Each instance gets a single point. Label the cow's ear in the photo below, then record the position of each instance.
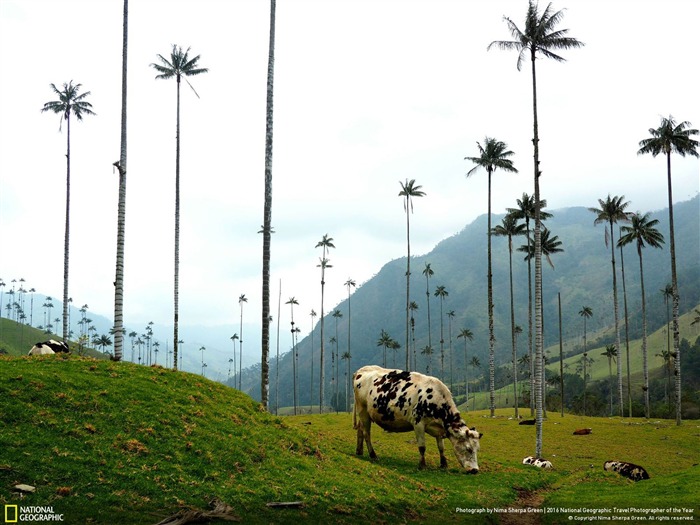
(481, 435)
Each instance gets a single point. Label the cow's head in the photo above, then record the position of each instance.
(465, 442)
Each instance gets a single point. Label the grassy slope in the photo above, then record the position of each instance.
(108, 442)
(17, 339)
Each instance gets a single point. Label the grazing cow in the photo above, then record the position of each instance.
(583, 431)
(537, 462)
(403, 401)
(49, 347)
(629, 470)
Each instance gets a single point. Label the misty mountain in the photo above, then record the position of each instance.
(582, 274)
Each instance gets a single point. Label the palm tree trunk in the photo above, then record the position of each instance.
(267, 218)
(408, 275)
(617, 323)
(512, 327)
(644, 336)
(176, 292)
(676, 299)
(531, 364)
(627, 332)
(66, 238)
(539, 342)
(492, 338)
(121, 210)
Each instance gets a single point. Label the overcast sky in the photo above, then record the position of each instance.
(367, 93)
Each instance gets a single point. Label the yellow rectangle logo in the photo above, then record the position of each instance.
(11, 513)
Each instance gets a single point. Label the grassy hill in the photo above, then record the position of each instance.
(118, 443)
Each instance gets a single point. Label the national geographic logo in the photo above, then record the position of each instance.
(17, 514)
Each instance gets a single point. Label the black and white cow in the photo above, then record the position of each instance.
(49, 347)
(403, 401)
(629, 470)
(537, 462)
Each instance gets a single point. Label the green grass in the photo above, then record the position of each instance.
(118, 443)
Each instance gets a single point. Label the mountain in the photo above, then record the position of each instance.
(582, 274)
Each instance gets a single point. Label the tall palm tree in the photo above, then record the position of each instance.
(466, 334)
(413, 307)
(441, 292)
(611, 354)
(350, 283)
(121, 208)
(493, 154)
(267, 215)
(292, 301)
(70, 101)
(612, 210)
(179, 65)
(313, 315)
(583, 367)
(241, 299)
(672, 137)
(385, 342)
(450, 315)
(586, 312)
(325, 244)
(346, 357)
(510, 228)
(409, 189)
(526, 211)
(337, 315)
(642, 231)
(234, 338)
(539, 37)
(428, 272)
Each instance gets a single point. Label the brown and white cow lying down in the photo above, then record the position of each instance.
(629, 470)
(49, 347)
(403, 401)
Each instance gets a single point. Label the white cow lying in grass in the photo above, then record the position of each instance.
(49, 347)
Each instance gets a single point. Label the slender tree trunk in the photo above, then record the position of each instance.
(530, 353)
(66, 238)
(240, 349)
(617, 324)
(644, 336)
(121, 210)
(427, 296)
(539, 341)
(408, 276)
(176, 292)
(627, 332)
(512, 327)
(561, 359)
(267, 219)
(492, 338)
(442, 342)
(322, 371)
(466, 376)
(676, 297)
(277, 362)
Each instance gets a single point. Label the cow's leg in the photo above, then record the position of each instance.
(363, 434)
(368, 439)
(420, 440)
(360, 441)
(441, 448)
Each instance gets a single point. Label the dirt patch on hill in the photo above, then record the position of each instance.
(525, 509)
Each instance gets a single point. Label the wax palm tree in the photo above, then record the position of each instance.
(409, 190)
(538, 37)
(493, 154)
(672, 137)
(586, 312)
(441, 292)
(179, 65)
(292, 301)
(450, 315)
(428, 352)
(612, 210)
(510, 228)
(325, 244)
(337, 315)
(428, 272)
(611, 354)
(121, 208)
(668, 357)
(385, 342)
(234, 338)
(241, 299)
(350, 283)
(313, 315)
(413, 307)
(466, 334)
(70, 101)
(267, 215)
(346, 357)
(526, 211)
(642, 231)
(583, 367)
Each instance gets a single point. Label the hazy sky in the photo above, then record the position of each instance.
(367, 93)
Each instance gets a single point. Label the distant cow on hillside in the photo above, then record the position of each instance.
(403, 401)
(583, 431)
(629, 470)
(49, 347)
